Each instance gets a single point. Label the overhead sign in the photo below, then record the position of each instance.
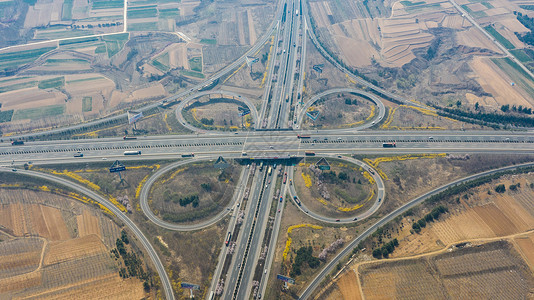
(134, 116)
(221, 163)
(117, 166)
(185, 285)
(285, 279)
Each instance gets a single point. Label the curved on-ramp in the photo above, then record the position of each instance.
(166, 284)
(143, 200)
(381, 193)
(193, 97)
(380, 107)
(328, 268)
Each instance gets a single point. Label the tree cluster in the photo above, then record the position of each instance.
(183, 201)
(519, 109)
(430, 217)
(386, 249)
(207, 121)
(500, 188)
(527, 38)
(486, 119)
(133, 264)
(304, 255)
(331, 249)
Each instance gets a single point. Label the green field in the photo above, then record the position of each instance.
(169, 13)
(52, 83)
(18, 86)
(487, 4)
(409, 3)
(192, 74)
(15, 59)
(105, 4)
(101, 49)
(521, 55)
(195, 64)
(147, 26)
(87, 104)
(208, 41)
(501, 39)
(40, 112)
(527, 7)
(6, 116)
(142, 12)
(78, 41)
(84, 79)
(66, 13)
(59, 61)
(516, 73)
(162, 62)
(61, 34)
(115, 43)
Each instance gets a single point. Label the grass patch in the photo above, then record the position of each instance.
(169, 13)
(527, 7)
(479, 14)
(421, 7)
(58, 61)
(141, 13)
(161, 62)
(101, 49)
(192, 74)
(195, 64)
(66, 13)
(105, 4)
(61, 34)
(487, 4)
(84, 79)
(87, 104)
(208, 41)
(409, 3)
(18, 86)
(78, 41)
(143, 26)
(116, 37)
(501, 39)
(52, 83)
(521, 55)
(39, 112)
(14, 59)
(5, 116)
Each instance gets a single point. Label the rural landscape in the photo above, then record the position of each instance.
(253, 149)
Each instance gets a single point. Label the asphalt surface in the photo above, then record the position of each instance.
(165, 282)
(328, 268)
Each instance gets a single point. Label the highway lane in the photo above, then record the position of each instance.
(165, 282)
(273, 144)
(143, 198)
(328, 268)
(380, 196)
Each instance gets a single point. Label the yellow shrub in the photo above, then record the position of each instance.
(307, 180)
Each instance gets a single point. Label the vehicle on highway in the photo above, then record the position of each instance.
(371, 171)
(430, 137)
(78, 154)
(309, 153)
(14, 170)
(269, 172)
(243, 153)
(129, 138)
(337, 220)
(296, 200)
(16, 143)
(281, 198)
(188, 155)
(355, 219)
(379, 199)
(132, 152)
(339, 139)
(228, 237)
(303, 136)
(389, 145)
(339, 156)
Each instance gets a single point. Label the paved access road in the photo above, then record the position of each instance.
(328, 268)
(165, 282)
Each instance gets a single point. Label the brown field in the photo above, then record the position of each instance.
(335, 113)
(489, 270)
(525, 245)
(220, 113)
(64, 256)
(496, 82)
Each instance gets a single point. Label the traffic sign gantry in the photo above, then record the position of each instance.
(117, 166)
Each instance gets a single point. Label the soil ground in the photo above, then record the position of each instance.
(334, 112)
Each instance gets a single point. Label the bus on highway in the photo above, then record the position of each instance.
(389, 145)
(309, 153)
(303, 136)
(269, 171)
(136, 152)
(228, 237)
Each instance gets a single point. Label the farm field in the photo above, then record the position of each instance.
(56, 247)
(482, 248)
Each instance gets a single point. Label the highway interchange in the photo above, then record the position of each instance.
(281, 110)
